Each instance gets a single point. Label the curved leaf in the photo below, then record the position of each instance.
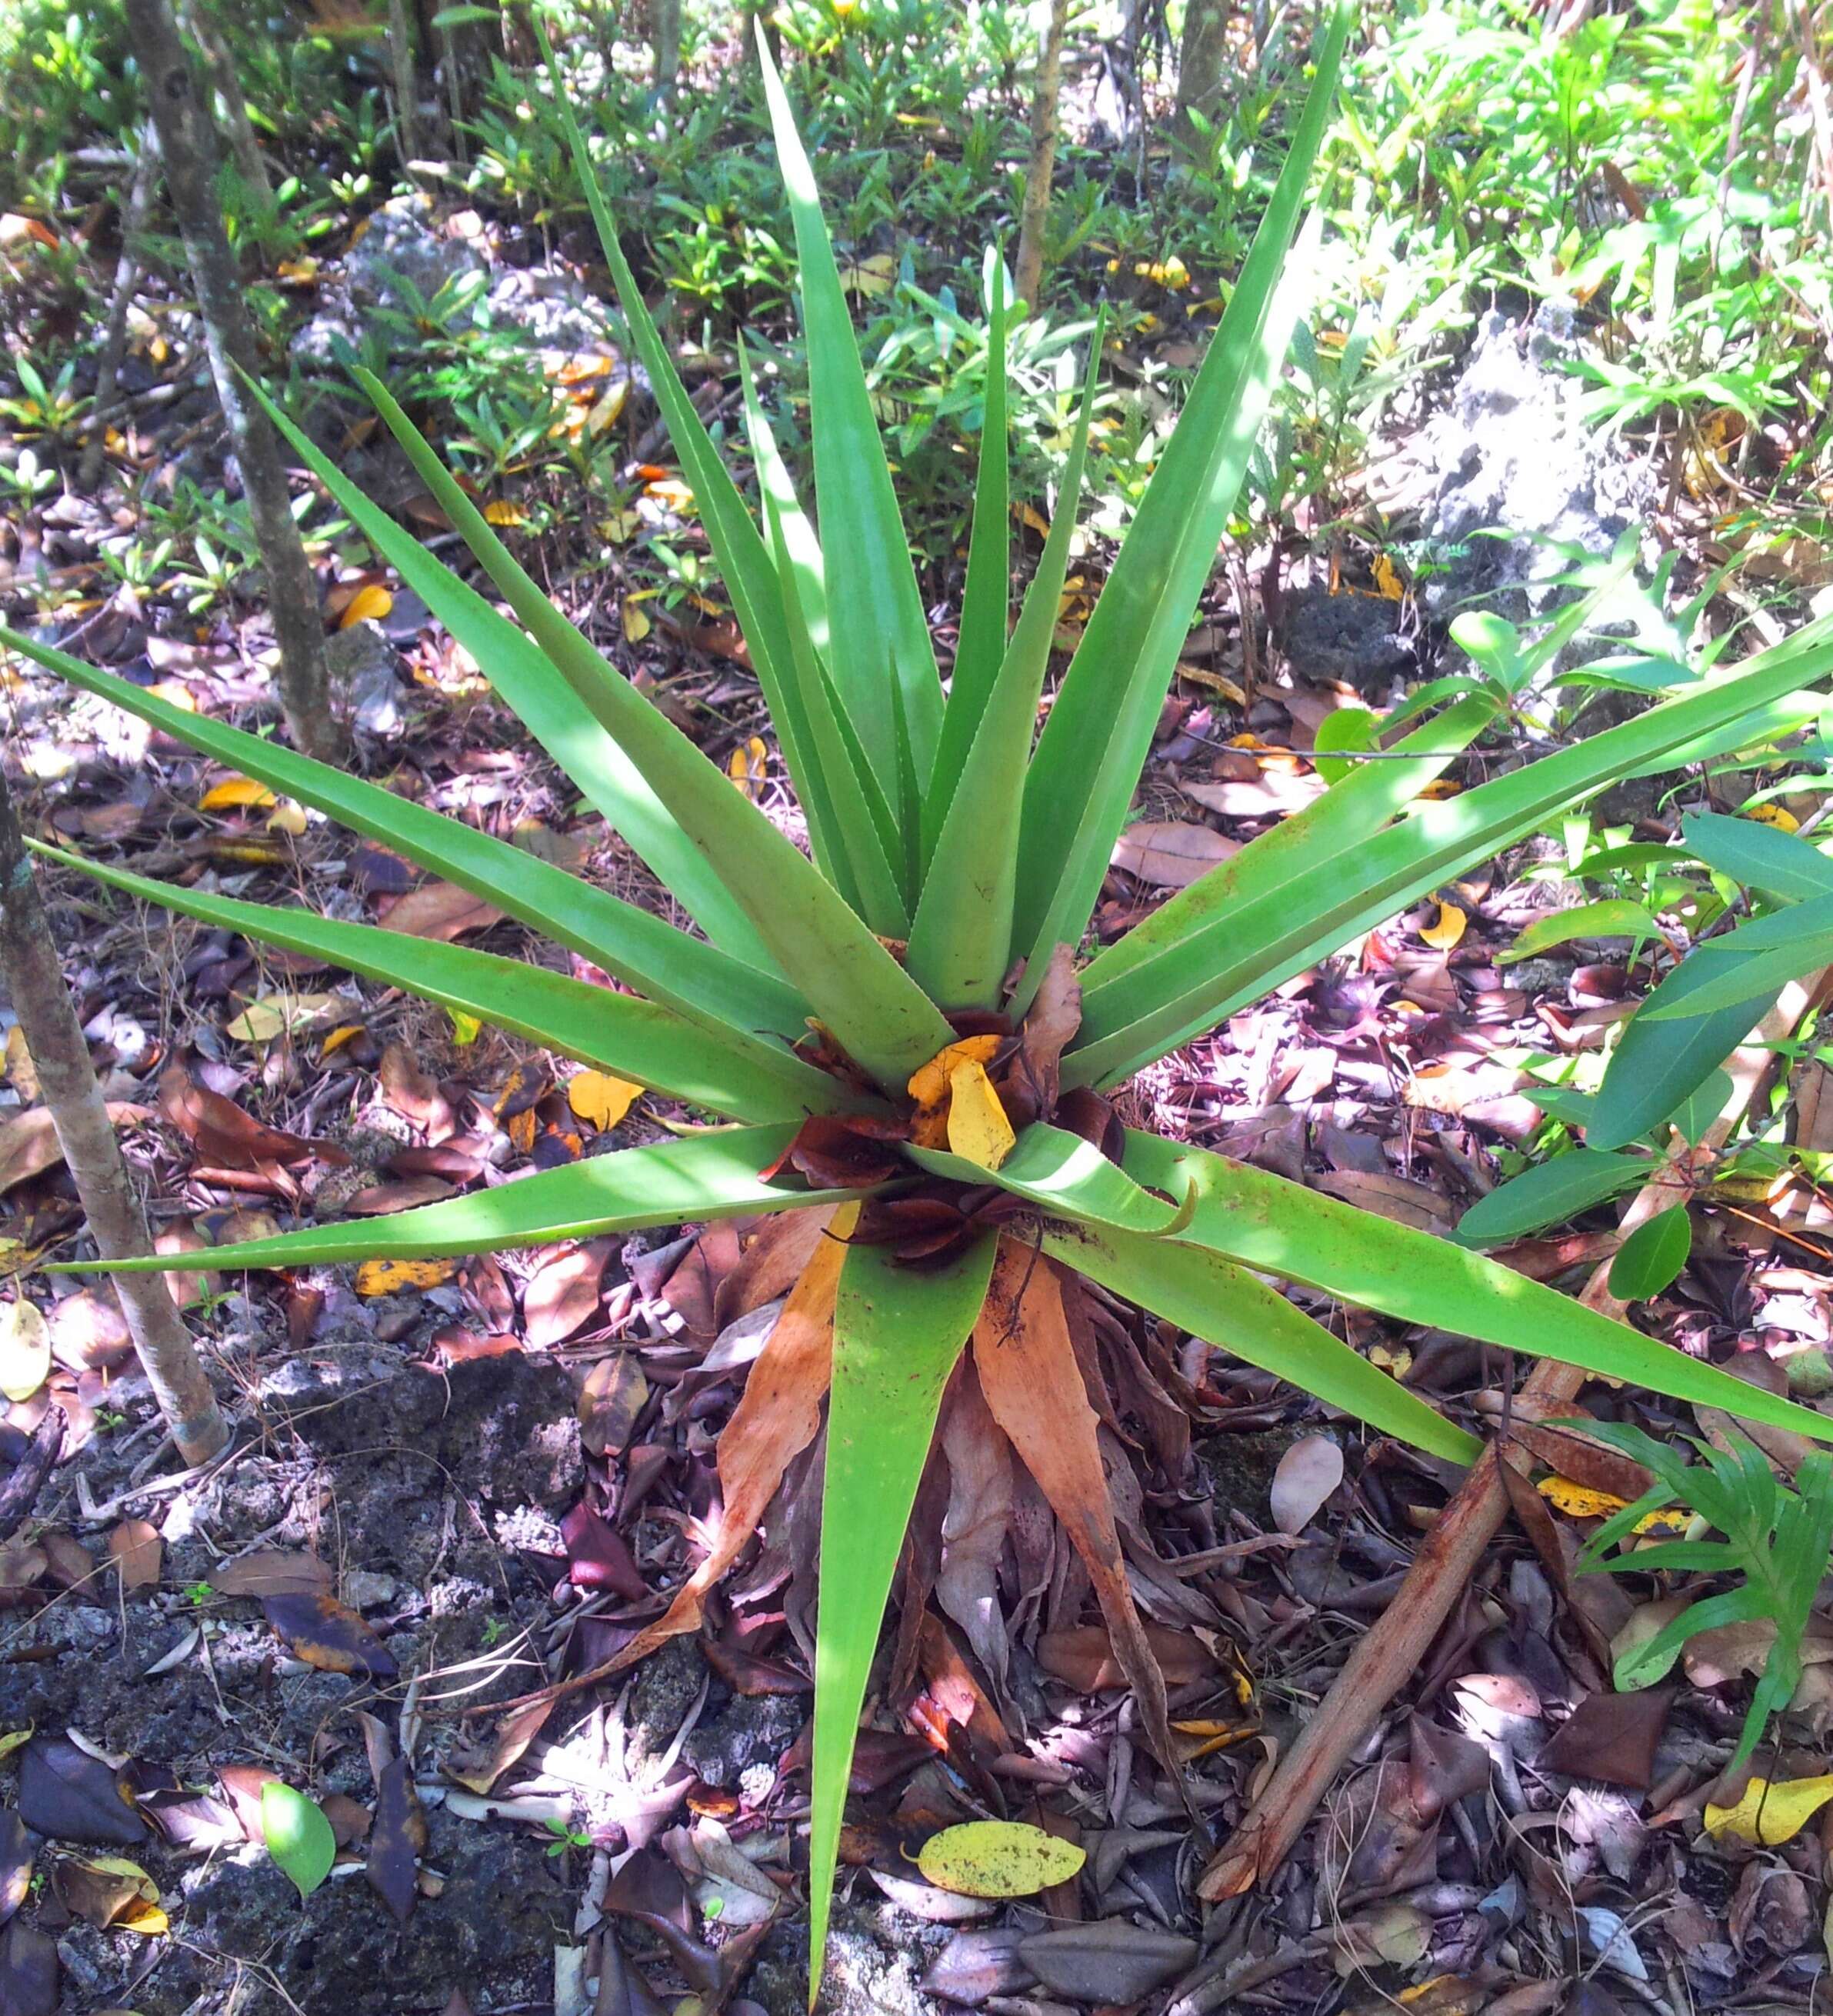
(1060, 1172)
(1276, 1227)
(1225, 1305)
(683, 973)
(1759, 856)
(1659, 1063)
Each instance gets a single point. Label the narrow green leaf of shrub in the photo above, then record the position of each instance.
(1096, 741)
(870, 573)
(529, 684)
(1614, 918)
(297, 1835)
(1060, 1172)
(897, 1334)
(1759, 856)
(1660, 1063)
(1756, 958)
(877, 1013)
(1550, 1193)
(701, 1061)
(1224, 1305)
(713, 1175)
(1652, 1256)
(1264, 1222)
(642, 951)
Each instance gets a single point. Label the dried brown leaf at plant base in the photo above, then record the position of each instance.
(563, 1297)
(777, 1418)
(29, 1144)
(1172, 854)
(1034, 1388)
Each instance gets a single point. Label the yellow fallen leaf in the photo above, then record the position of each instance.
(14, 1737)
(466, 1029)
(503, 512)
(338, 1038)
(234, 794)
(600, 1099)
(25, 1349)
(998, 1859)
(370, 604)
(1446, 929)
(636, 623)
(869, 277)
(288, 817)
(389, 1277)
(301, 272)
(22, 1074)
(929, 1084)
(1769, 1814)
(978, 1130)
(1396, 1364)
(1779, 816)
(1579, 1501)
(749, 762)
(1387, 579)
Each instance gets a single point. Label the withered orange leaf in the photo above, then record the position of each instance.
(329, 1635)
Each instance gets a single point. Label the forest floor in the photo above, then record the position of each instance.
(452, 1485)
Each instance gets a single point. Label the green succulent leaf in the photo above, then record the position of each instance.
(701, 1061)
(897, 1334)
(706, 1175)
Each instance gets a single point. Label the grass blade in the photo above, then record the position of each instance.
(706, 1175)
(870, 573)
(897, 1334)
(701, 1061)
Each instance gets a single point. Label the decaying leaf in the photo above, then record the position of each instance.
(1033, 1385)
(67, 1794)
(137, 1551)
(440, 910)
(391, 1277)
(1171, 854)
(398, 1838)
(978, 1130)
(563, 1295)
(615, 1392)
(29, 1144)
(1770, 1813)
(108, 1890)
(1307, 1473)
(25, 1348)
(272, 1572)
(998, 1859)
(600, 1100)
(328, 1634)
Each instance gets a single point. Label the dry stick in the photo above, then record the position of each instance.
(1387, 1657)
(34, 978)
(127, 278)
(1029, 276)
(400, 51)
(188, 144)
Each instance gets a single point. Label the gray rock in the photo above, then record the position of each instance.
(403, 243)
(1514, 456)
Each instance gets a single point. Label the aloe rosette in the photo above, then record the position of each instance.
(895, 1025)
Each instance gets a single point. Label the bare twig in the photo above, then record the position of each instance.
(127, 278)
(19, 1493)
(34, 978)
(1386, 1658)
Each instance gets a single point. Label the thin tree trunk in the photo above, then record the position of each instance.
(127, 278)
(1043, 157)
(401, 50)
(217, 59)
(1202, 57)
(187, 142)
(665, 38)
(34, 978)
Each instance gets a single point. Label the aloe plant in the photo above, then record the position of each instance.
(895, 1025)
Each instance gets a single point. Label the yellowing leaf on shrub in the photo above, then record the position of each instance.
(978, 1130)
(998, 1859)
(370, 604)
(1769, 1814)
(234, 793)
(1446, 929)
(25, 1349)
(390, 1277)
(747, 764)
(1579, 1501)
(600, 1099)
